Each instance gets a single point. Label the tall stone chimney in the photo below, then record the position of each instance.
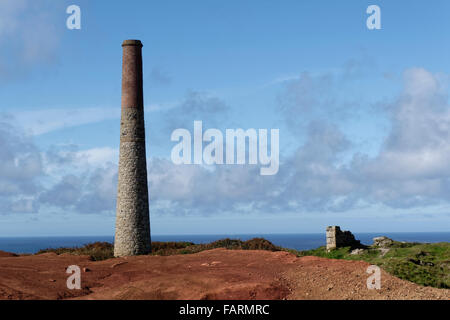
(132, 214)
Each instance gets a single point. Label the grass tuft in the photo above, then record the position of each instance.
(97, 250)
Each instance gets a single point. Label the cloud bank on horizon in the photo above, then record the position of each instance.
(411, 168)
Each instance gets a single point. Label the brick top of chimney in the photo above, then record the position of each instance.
(132, 42)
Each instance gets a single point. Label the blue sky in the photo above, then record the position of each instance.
(364, 115)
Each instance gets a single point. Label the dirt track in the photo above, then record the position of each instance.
(213, 274)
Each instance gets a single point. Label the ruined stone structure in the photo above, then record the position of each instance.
(337, 238)
(132, 214)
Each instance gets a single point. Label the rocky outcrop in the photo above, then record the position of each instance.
(382, 242)
(357, 251)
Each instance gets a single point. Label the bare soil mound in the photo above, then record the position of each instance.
(212, 274)
(7, 254)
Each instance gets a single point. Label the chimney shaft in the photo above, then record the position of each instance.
(132, 213)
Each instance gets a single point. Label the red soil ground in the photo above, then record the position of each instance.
(213, 274)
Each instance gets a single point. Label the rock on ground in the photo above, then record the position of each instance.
(382, 241)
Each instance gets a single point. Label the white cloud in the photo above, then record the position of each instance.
(97, 157)
(20, 168)
(29, 35)
(43, 121)
(412, 167)
(410, 171)
(9, 12)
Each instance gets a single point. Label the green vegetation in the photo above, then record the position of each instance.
(105, 250)
(161, 248)
(97, 250)
(425, 264)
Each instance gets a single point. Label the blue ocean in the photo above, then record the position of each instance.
(292, 241)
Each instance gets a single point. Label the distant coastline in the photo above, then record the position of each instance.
(303, 241)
